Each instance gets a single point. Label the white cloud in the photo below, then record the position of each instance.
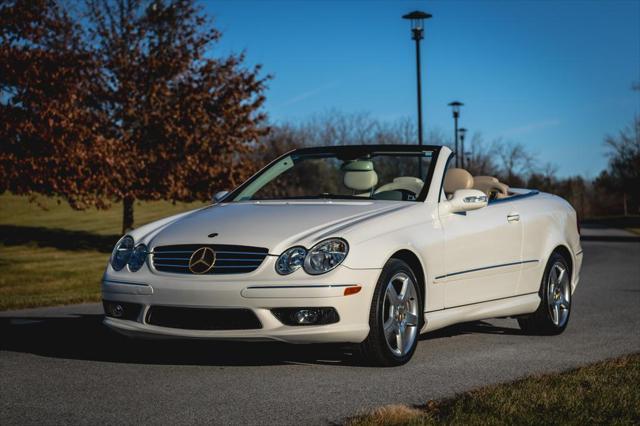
(308, 94)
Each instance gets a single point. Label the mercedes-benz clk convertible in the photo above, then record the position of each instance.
(367, 245)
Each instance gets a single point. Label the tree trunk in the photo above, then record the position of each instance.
(127, 214)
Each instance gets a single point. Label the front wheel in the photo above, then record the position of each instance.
(553, 313)
(395, 317)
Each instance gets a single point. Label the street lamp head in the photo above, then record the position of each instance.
(417, 22)
(462, 132)
(455, 106)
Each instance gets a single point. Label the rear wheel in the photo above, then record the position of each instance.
(553, 313)
(395, 318)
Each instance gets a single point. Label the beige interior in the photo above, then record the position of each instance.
(408, 183)
(360, 176)
(456, 179)
(491, 186)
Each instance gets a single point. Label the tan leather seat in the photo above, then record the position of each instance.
(408, 183)
(491, 186)
(456, 179)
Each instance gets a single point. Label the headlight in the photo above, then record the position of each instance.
(137, 258)
(291, 260)
(325, 256)
(122, 253)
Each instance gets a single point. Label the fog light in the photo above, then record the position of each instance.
(117, 310)
(122, 310)
(306, 315)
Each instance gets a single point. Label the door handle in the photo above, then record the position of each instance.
(513, 217)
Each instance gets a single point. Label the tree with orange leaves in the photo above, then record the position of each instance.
(150, 113)
(50, 124)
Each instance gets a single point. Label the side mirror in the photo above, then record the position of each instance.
(219, 196)
(467, 199)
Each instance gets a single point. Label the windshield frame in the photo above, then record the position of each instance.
(344, 152)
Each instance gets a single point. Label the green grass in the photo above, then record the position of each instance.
(18, 211)
(32, 276)
(56, 256)
(602, 393)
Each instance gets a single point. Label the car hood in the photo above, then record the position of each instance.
(270, 224)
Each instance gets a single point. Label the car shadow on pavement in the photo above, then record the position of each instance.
(84, 337)
(475, 327)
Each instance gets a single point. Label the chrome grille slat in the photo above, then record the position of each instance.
(217, 252)
(236, 266)
(186, 259)
(229, 259)
(170, 265)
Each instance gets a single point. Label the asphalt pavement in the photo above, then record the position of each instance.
(60, 365)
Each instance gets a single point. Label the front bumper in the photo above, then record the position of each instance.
(258, 295)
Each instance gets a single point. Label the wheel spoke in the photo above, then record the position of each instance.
(389, 329)
(553, 277)
(555, 314)
(400, 340)
(392, 295)
(412, 319)
(563, 302)
(404, 289)
(561, 275)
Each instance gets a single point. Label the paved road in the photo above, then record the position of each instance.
(59, 365)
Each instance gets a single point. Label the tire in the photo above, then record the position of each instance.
(399, 313)
(554, 311)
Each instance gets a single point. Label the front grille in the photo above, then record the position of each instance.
(202, 318)
(229, 259)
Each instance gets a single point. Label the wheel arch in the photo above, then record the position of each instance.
(414, 262)
(564, 251)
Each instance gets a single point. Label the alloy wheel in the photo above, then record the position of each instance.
(559, 294)
(400, 314)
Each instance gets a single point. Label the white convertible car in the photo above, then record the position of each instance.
(370, 245)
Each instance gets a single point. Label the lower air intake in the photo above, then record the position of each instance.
(202, 318)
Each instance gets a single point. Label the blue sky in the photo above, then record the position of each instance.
(553, 75)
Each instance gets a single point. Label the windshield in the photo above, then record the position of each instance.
(328, 175)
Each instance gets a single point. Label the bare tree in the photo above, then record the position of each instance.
(481, 158)
(516, 162)
(624, 164)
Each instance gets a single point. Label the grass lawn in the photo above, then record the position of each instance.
(18, 211)
(57, 256)
(33, 276)
(602, 393)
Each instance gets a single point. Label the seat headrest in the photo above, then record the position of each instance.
(457, 179)
(477, 179)
(490, 186)
(357, 166)
(359, 175)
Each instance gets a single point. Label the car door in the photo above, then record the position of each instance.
(483, 254)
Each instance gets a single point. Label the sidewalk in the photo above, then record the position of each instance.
(592, 232)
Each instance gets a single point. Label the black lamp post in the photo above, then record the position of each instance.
(462, 132)
(417, 30)
(455, 106)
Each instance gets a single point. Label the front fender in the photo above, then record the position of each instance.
(423, 237)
